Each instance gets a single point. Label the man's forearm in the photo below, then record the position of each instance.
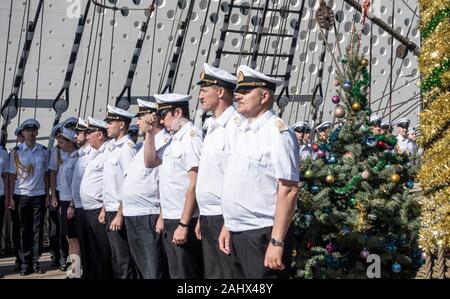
(284, 211)
(52, 176)
(12, 184)
(150, 154)
(190, 203)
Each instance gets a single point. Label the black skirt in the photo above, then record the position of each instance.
(68, 226)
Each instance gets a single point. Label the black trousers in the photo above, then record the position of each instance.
(98, 247)
(58, 246)
(123, 267)
(16, 230)
(250, 248)
(217, 264)
(2, 217)
(31, 212)
(184, 261)
(145, 246)
(81, 232)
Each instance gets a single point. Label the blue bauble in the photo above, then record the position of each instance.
(371, 141)
(315, 189)
(308, 217)
(331, 159)
(347, 85)
(410, 184)
(345, 230)
(396, 268)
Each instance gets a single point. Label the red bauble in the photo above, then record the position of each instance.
(320, 154)
(381, 144)
(309, 245)
(315, 147)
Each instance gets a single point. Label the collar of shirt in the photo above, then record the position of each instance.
(222, 119)
(258, 122)
(103, 146)
(178, 135)
(120, 141)
(73, 154)
(25, 147)
(401, 138)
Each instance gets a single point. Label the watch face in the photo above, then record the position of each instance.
(60, 106)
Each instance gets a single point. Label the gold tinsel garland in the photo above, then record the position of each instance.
(434, 174)
(434, 118)
(428, 9)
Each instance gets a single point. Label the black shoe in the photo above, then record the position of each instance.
(17, 267)
(38, 270)
(26, 272)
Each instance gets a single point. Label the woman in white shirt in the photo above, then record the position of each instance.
(67, 209)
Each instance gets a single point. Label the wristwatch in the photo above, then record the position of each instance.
(276, 242)
(182, 224)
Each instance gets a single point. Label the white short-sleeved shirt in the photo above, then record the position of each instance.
(91, 187)
(118, 158)
(66, 170)
(4, 167)
(213, 158)
(178, 157)
(140, 193)
(260, 154)
(54, 164)
(85, 155)
(33, 183)
(405, 145)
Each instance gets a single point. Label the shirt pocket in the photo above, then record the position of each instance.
(259, 164)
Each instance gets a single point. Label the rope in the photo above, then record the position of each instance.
(86, 67)
(98, 64)
(268, 38)
(429, 266)
(110, 56)
(7, 50)
(213, 31)
(151, 59)
(244, 39)
(18, 48)
(39, 63)
(441, 263)
(282, 31)
(392, 65)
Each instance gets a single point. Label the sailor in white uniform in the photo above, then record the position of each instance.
(91, 191)
(216, 95)
(4, 168)
(120, 152)
(133, 132)
(28, 191)
(300, 129)
(141, 203)
(260, 184)
(404, 144)
(322, 131)
(179, 162)
(386, 127)
(375, 124)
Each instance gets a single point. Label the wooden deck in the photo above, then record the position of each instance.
(7, 269)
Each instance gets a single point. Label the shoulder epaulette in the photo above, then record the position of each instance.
(279, 123)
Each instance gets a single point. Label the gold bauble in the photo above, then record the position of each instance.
(395, 178)
(329, 179)
(364, 62)
(339, 112)
(356, 106)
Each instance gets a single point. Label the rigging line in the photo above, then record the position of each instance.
(409, 7)
(196, 58)
(86, 65)
(98, 62)
(39, 63)
(401, 86)
(111, 56)
(213, 31)
(115, 8)
(151, 57)
(259, 34)
(92, 63)
(282, 31)
(370, 63)
(395, 60)
(337, 46)
(413, 97)
(401, 103)
(6, 52)
(300, 77)
(407, 111)
(268, 38)
(392, 65)
(20, 41)
(252, 40)
(244, 36)
(310, 74)
(169, 41)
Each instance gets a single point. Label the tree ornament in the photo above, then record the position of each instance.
(364, 253)
(309, 174)
(364, 128)
(348, 155)
(372, 217)
(352, 201)
(344, 59)
(336, 83)
(345, 230)
(396, 268)
(365, 174)
(315, 189)
(329, 179)
(325, 16)
(371, 141)
(381, 144)
(364, 62)
(395, 178)
(347, 85)
(410, 184)
(398, 169)
(356, 106)
(309, 244)
(332, 159)
(335, 99)
(315, 147)
(330, 248)
(339, 111)
(308, 217)
(320, 153)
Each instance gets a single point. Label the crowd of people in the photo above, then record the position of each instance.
(183, 203)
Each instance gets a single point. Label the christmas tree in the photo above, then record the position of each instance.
(354, 199)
